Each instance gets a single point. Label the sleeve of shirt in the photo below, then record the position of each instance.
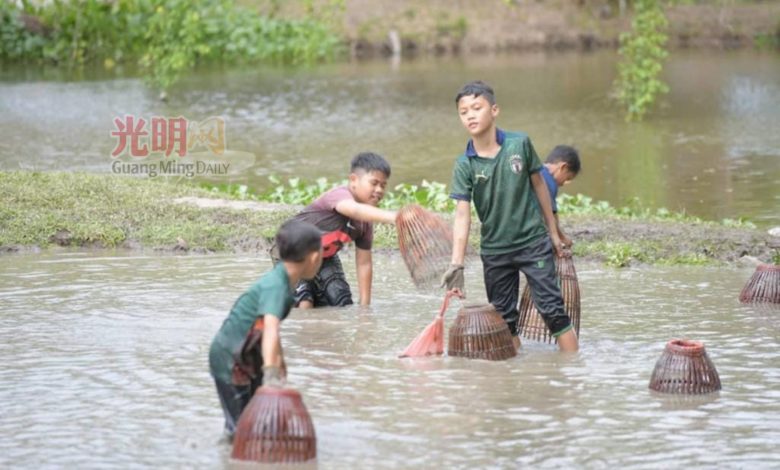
(532, 161)
(367, 239)
(331, 199)
(273, 302)
(462, 183)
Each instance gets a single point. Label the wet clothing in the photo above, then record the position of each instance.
(328, 288)
(234, 399)
(502, 278)
(552, 187)
(502, 193)
(338, 230)
(269, 295)
(513, 235)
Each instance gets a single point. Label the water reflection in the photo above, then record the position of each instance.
(712, 149)
(113, 350)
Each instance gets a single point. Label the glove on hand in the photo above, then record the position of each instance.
(453, 277)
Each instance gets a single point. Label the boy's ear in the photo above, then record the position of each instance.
(494, 109)
(353, 177)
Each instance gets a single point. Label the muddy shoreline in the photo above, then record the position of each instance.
(196, 221)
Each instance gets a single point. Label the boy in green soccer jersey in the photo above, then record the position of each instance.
(499, 171)
(246, 351)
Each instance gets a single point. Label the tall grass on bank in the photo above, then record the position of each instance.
(165, 37)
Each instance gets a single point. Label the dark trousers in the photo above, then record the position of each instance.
(234, 399)
(502, 282)
(328, 288)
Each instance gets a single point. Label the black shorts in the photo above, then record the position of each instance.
(502, 282)
(328, 288)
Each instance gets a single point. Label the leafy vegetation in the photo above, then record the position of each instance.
(643, 51)
(165, 37)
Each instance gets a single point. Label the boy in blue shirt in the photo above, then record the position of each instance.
(247, 351)
(499, 171)
(561, 166)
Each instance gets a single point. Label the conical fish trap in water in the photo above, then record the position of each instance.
(763, 286)
(531, 324)
(684, 368)
(425, 241)
(275, 427)
(479, 332)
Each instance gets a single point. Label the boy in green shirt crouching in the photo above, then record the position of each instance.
(246, 351)
(499, 172)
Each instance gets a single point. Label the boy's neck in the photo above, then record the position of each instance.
(293, 272)
(486, 144)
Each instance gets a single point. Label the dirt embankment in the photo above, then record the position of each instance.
(378, 27)
(39, 210)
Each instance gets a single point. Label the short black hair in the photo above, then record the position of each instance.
(370, 161)
(296, 239)
(477, 88)
(567, 155)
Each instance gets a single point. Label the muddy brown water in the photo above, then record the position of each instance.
(712, 149)
(105, 365)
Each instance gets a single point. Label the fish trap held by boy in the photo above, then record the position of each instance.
(275, 427)
(531, 324)
(685, 368)
(763, 286)
(479, 332)
(425, 242)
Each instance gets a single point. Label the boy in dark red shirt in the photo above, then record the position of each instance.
(346, 214)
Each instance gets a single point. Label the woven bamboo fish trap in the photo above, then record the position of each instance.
(479, 332)
(275, 427)
(685, 368)
(425, 242)
(763, 286)
(531, 324)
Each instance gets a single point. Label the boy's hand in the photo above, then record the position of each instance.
(272, 377)
(557, 245)
(453, 277)
(567, 243)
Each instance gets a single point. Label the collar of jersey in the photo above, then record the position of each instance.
(471, 152)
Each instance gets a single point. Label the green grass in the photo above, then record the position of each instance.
(109, 211)
(43, 209)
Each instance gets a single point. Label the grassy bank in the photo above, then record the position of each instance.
(39, 210)
(45, 209)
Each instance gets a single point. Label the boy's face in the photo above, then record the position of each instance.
(561, 173)
(476, 114)
(368, 187)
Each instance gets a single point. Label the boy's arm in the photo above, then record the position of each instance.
(460, 231)
(271, 348)
(365, 273)
(364, 212)
(453, 277)
(565, 240)
(543, 195)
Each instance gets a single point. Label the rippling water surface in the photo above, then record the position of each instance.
(105, 364)
(711, 148)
